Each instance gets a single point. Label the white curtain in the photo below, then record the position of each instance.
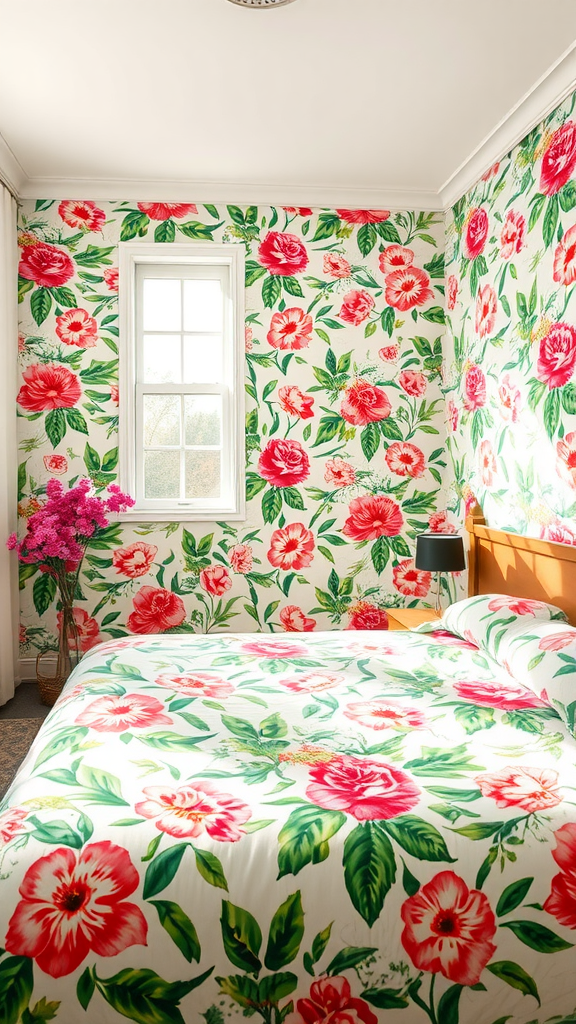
(9, 604)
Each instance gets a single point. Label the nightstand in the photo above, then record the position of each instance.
(408, 618)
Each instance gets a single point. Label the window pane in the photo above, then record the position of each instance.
(162, 475)
(161, 359)
(161, 420)
(202, 359)
(203, 306)
(162, 304)
(202, 474)
(202, 416)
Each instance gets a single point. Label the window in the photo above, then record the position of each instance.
(181, 382)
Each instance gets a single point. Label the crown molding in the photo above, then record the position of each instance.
(541, 99)
(12, 173)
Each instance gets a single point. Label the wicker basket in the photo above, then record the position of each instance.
(50, 687)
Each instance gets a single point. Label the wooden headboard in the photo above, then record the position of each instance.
(506, 563)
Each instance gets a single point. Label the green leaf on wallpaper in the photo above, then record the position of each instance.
(370, 440)
(254, 484)
(380, 554)
(567, 196)
(435, 266)
(134, 223)
(292, 497)
(516, 977)
(100, 372)
(292, 286)
(272, 504)
(388, 319)
(76, 420)
(552, 410)
(537, 936)
(110, 460)
(328, 223)
(388, 231)
(390, 429)
(550, 222)
(537, 203)
(367, 238)
(40, 304)
(91, 459)
(194, 229)
(568, 396)
(23, 286)
(536, 393)
(64, 297)
(328, 427)
(211, 210)
(434, 315)
(44, 592)
(505, 305)
(271, 291)
(253, 272)
(165, 231)
(370, 329)
(55, 426)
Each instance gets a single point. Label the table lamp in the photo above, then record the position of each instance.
(438, 553)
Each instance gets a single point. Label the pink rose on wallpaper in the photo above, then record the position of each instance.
(336, 266)
(448, 929)
(73, 904)
(302, 211)
(476, 233)
(197, 807)
(196, 684)
(313, 682)
(409, 581)
(452, 292)
(364, 615)
(368, 790)
(163, 211)
(510, 399)
(339, 472)
(389, 353)
(241, 558)
(295, 402)
(56, 464)
(561, 902)
(565, 258)
(487, 460)
(134, 560)
(407, 288)
(474, 388)
(114, 394)
(383, 714)
(413, 383)
(77, 327)
(284, 463)
(215, 580)
(557, 356)
(491, 172)
(292, 547)
(282, 253)
(294, 621)
(248, 338)
(331, 1002)
(363, 216)
(110, 275)
(513, 234)
(395, 257)
(405, 459)
(155, 610)
(452, 411)
(372, 516)
(438, 522)
(290, 329)
(506, 696)
(364, 403)
(566, 458)
(82, 213)
(87, 629)
(486, 310)
(48, 386)
(356, 307)
(531, 789)
(559, 160)
(12, 824)
(45, 265)
(114, 713)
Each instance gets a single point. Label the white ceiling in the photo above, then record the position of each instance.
(326, 97)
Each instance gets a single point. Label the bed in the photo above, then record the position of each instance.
(325, 828)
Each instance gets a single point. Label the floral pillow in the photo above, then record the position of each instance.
(487, 619)
(543, 657)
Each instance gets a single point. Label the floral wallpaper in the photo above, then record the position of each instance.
(345, 426)
(511, 310)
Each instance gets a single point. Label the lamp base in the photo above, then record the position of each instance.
(438, 608)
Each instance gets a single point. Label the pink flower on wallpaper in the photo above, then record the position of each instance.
(364, 615)
(356, 307)
(369, 790)
(313, 682)
(395, 257)
(364, 403)
(438, 522)
(284, 463)
(188, 811)
(476, 233)
(486, 310)
(134, 560)
(510, 399)
(336, 266)
(48, 386)
(565, 258)
(512, 235)
(566, 458)
(491, 172)
(282, 253)
(557, 356)
(56, 464)
(292, 547)
(290, 329)
(302, 211)
(87, 629)
(77, 327)
(82, 213)
(559, 160)
(561, 902)
(405, 459)
(384, 714)
(294, 621)
(248, 338)
(372, 516)
(389, 353)
(407, 288)
(487, 461)
(114, 394)
(474, 388)
(163, 211)
(453, 416)
(339, 472)
(155, 610)
(110, 275)
(241, 558)
(452, 286)
(363, 216)
(196, 684)
(73, 904)
(409, 581)
(294, 402)
(413, 383)
(215, 580)
(45, 264)
(531, 789)
(114, 713)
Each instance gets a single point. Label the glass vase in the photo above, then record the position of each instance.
(50, 686)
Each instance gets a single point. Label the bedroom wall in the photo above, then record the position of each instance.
(511, 346)
(358, 391)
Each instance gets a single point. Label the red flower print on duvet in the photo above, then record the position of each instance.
(273, 649)
(12, 824)
(196, 684)
(532, 789)
(516, 605)
(73, 904)
(507, 696)
(118, 713)
(195, 808)
(313, 682)
(561, 902)
(448, 929)
(331, 1002)
(368, 790)
(384, 714)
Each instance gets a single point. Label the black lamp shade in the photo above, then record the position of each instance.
(440, 552)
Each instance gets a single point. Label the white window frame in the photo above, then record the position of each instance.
(131, 446)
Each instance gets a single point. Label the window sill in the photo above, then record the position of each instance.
(181, 515)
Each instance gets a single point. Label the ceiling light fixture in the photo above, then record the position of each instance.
(261, 5)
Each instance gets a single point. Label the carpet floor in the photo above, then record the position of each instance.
(16, 736)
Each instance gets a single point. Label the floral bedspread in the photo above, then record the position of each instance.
(347, 828)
